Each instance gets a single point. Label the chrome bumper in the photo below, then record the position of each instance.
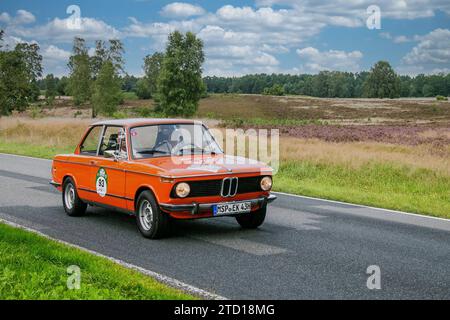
(55, 184)
(198, 208)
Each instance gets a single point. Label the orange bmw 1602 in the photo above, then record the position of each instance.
(159, 170)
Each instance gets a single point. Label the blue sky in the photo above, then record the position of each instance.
(240, 37)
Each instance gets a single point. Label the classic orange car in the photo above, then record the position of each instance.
(159, 169)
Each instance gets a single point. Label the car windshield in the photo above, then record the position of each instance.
(172, 140)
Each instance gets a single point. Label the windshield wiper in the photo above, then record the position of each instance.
(152, 151)
(213, 153)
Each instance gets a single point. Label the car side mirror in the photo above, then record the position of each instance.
(110, 154)
(121, 140)
(117, 156)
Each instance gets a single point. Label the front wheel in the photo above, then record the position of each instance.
(151, 221)
(73, 205)
(252, 220)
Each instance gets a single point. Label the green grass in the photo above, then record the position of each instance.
(32, 150)
(381, 185)
(378, 184)
(33, 267)
(130, 95)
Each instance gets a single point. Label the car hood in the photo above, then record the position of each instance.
(205, 165)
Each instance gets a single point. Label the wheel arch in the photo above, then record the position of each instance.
(67, 176)
(142, 189)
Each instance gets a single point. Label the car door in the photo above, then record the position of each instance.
(80, 166)
(107, 170)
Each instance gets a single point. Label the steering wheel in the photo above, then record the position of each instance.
(168, 145)
(178, 148)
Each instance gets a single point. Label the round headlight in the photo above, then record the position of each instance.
(182, 190)
(266, 183)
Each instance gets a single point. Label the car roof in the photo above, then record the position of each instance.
(142, 122)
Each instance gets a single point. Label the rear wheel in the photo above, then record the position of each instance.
(252, 220)
(151, 221)
(73, 205)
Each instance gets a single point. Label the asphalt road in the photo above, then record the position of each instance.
(307, 249)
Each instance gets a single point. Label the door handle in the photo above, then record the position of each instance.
(94, 163)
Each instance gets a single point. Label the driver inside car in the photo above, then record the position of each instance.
(172, 136)
(164, 137)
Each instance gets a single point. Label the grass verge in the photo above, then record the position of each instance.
(32, 150)
(33, 267)
(381, 185)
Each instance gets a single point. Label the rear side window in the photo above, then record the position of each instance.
(110, 141)
(90, 143)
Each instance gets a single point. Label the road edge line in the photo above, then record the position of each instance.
(171, 282)
(418, 215)
(22, 156)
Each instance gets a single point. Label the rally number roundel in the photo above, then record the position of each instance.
(101, 182)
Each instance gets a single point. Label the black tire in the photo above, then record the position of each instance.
(72, 203)
(252, 220)
(152, 224)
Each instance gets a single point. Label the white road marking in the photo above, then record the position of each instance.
(22, 222)
(171, 282)
(361, 206)
(365, 212)
(26, 157)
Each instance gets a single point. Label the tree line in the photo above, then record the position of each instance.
(380, 82)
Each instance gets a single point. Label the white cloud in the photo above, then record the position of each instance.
(10, 42)
(400, 9)
(54, 60)
(242, 55)
(333, 60)
(400, 38)
(55, 54)
(431, 54)
(181, 9)
(5, 17)
(61, 30)
(21, 17)
(24, 17)
(158, 31)
(386, 35)
(247, 38)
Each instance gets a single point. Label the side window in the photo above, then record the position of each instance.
(90, 143)
(110, 142)
(142, 139)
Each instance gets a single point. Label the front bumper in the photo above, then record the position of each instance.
(55, 184)
(201, 208)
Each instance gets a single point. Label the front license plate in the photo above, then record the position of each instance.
(232, 208)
